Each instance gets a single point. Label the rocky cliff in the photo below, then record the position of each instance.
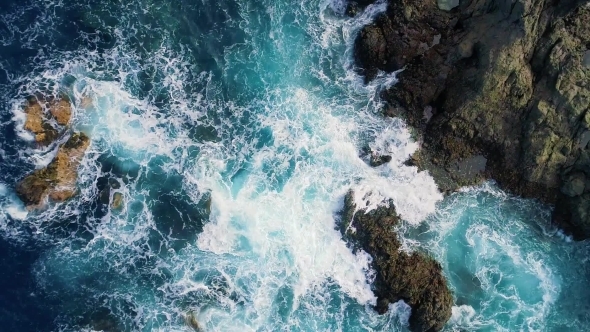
(496, 89)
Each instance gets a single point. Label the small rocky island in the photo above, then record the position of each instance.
(47, 119)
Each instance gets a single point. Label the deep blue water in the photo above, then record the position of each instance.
(233, 130)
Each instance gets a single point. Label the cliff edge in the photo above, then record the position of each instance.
(497, 89)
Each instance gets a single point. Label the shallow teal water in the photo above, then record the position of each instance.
(234, 130)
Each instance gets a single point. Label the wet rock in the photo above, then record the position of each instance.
(447, 4)
(114, 183)
(415, 278)
(61, 110)
(102, 319)
(191, 321)
(355, 7)
(574, 184)
(586, 60)
(57, 181)
(105, 195)
(86, 102)
(377, 160)
(37, 124)
(469, 168)
(39, 114)
(117, 201)
(398, 36)
(508, 81)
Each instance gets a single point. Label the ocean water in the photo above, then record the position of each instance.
(233, 131)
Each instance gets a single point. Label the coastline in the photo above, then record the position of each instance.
(493, 92)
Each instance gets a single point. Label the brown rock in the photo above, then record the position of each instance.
(508, 81)
(86, 101)
(57, 181)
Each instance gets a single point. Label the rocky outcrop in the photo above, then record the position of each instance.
(415, 278)
(45, 118)
(109, 193)
(497, 89)
(57, 181)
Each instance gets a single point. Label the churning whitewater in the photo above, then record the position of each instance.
(233, 129)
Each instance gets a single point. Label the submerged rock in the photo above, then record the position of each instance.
(507, 82)
(39, 114)
(57, 181)
(415, 278)
(101, 319)
(191, 321)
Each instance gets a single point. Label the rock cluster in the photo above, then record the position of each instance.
(415, 278)
(46, 119)
(506, 86)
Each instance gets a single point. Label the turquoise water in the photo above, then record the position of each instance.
(234, 130)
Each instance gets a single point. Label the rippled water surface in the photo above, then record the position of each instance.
(233, 130)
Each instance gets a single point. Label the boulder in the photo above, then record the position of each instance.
(191, 321)
(415, 278)
(117, 201)
(377, 160)
(507, 82)
(61, 110)
(39, 115)
(57, 181)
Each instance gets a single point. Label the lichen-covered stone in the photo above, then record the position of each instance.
(57, 181)
(415, 278)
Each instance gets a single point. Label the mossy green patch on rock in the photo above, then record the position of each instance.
(415, 278)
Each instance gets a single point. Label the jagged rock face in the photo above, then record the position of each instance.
(57, 181)
(415, 278)
(507, 81)
(39, 115)
(397, 36)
